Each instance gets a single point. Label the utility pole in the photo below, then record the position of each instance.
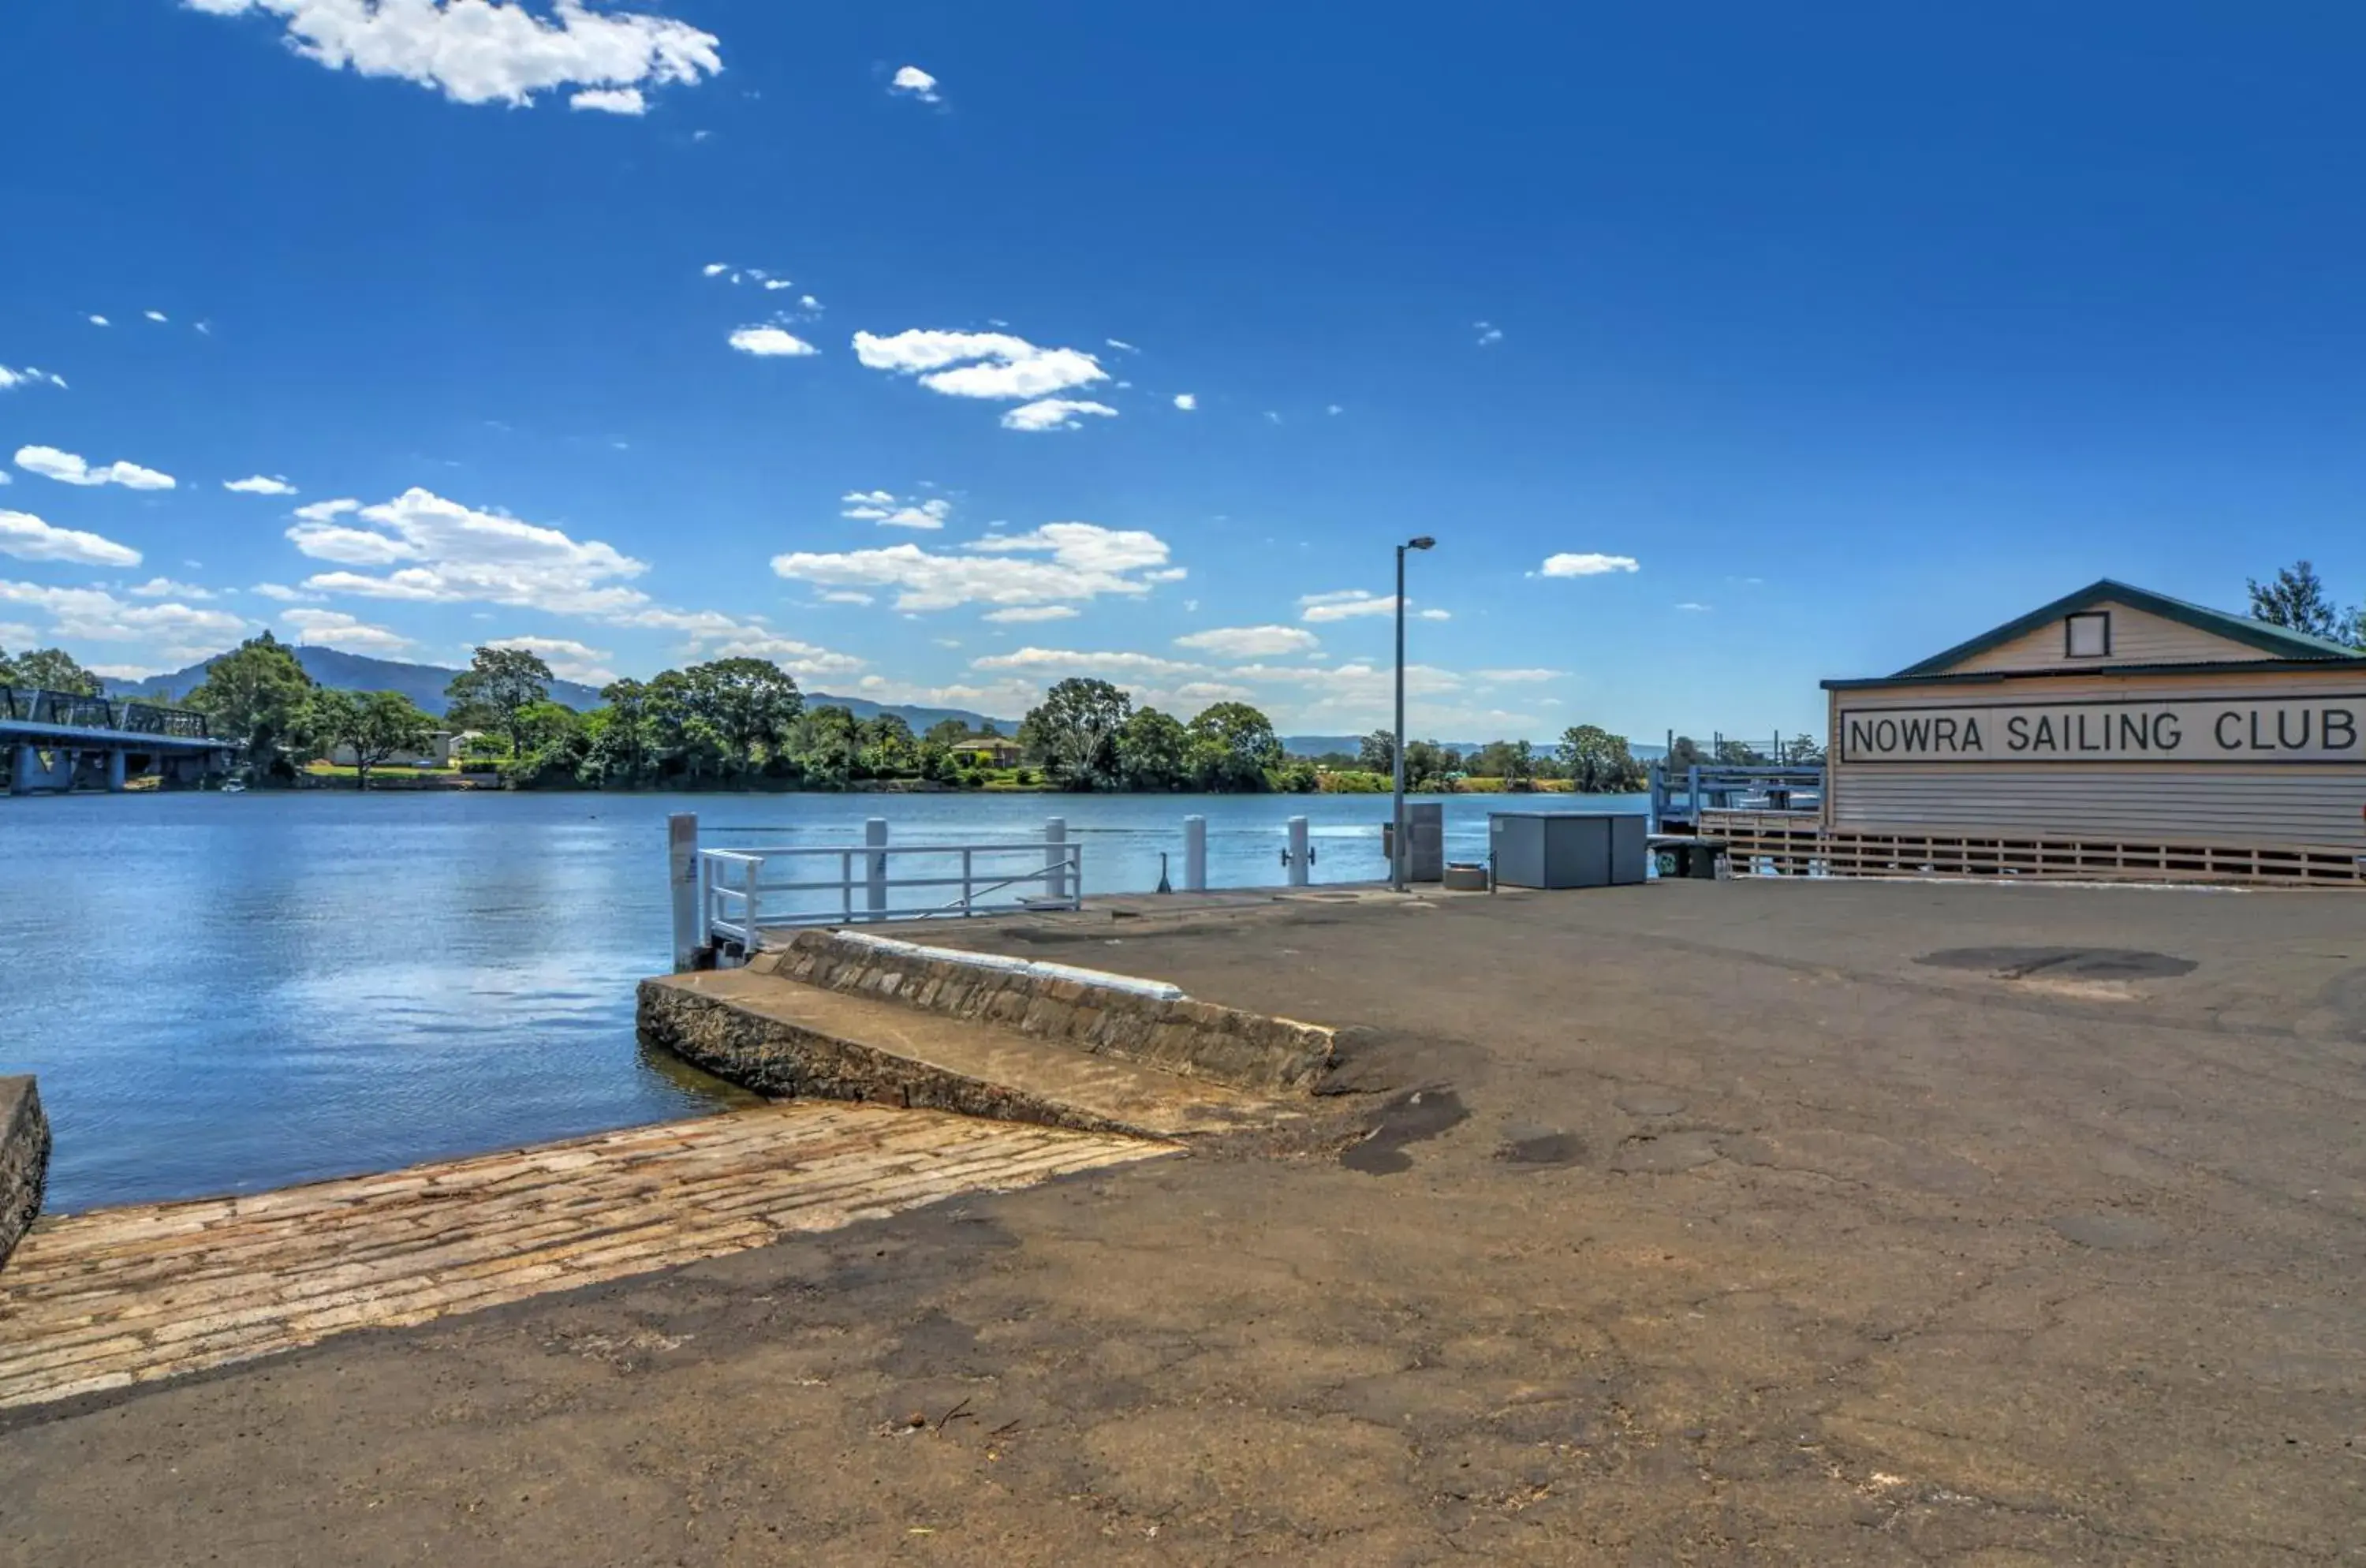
(1397, 853)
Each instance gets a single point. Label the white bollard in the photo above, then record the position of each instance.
(875, 867)
(1195, 854)
(1055, 859)
(1297, 851)
(681, 878)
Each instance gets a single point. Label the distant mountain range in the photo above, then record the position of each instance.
(424, 684)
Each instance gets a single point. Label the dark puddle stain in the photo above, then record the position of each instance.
(2111, 1232)
(1409, 1119)
(1543, 1151)
(2062, 963)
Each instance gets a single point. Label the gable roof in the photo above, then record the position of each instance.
(2282, 641)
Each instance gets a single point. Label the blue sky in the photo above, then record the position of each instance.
(1801, 345)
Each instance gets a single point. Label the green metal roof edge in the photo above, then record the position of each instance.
(2352, 659)
(2218, 622)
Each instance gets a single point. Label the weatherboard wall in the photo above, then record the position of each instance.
(2089, 784)
(2138, 637)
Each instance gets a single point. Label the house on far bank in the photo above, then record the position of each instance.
(441, 748)
(987, 751)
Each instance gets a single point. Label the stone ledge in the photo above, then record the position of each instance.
(24, 1160)
(785, 1058)
(1191, 1038)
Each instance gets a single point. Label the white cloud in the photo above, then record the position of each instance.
(1067, 662)
(1021, 613)
(1432, 614)
(807, 302)
(912, 82)
(27, 538)
(1186, 401)
(1054, 414)
(153, 315)
(1588, 565)
(261, 484)
(323, 511)
(1696, 609)
(28, 376)
(99, 321)
(1487, 333)
(1250, 642)
(445, 551)
(176, 632)
(710, 634)
(880, 507)
(334, 629)
(774, 285)
(481, 51)
(282, 592)
(68, 468)
(770, 343)
(1518, 675)
(846, 596)
(1119, 343)
(1085, 562)
(716, 269)
(568, 660)
(610, 100)
(1344, 605)
(1333, 408)
(978, 364)
(165, 588)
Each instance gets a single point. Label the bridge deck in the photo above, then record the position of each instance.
(115, 1297)
(26, 732)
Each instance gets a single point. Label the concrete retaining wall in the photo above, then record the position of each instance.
(1194, 1039)
(24, 1160)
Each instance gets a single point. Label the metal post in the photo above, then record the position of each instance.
(1055, 858)
(755, 864)
(681, 879)
(1692, 791)
(966, 862)
(1297, 853)
(1397, 750)
(1195, 854)
(875, 867)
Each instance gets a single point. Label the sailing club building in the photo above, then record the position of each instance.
(2114, 732)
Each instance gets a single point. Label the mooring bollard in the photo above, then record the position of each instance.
(681, 878)
(1195, 854)
(1055, 859)
(875, 867)
(1296, 854)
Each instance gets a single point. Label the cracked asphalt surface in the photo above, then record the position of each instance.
(1694, 1223)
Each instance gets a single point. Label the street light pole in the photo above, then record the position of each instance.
(1398, 855)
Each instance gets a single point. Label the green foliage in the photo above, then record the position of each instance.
(1233, 745)
(256, 696)
(1377, 752)
(1803, 750)
(1296, 776)
(376, 725)
(499, 686)
(947, 732)
(2296, 599)
(1686, 753)
(1598, 763)
(1153, 751)
(49, 670)
(1072, 733)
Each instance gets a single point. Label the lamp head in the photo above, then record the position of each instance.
(1424, 542)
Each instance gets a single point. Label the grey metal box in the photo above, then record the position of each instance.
(1568, 849)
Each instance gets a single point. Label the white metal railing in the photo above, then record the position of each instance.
(744, 893)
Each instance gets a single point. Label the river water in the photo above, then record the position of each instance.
(226, 993)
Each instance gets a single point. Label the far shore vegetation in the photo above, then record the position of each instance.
(742, 724)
